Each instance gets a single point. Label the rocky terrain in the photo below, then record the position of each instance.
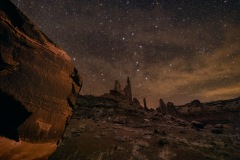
(113, 126)
(223, 111)
(38, 87)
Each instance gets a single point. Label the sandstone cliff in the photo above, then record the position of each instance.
(38, 86)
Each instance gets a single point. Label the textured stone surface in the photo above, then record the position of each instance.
(38, 83)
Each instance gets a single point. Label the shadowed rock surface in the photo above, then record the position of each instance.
(38, 87)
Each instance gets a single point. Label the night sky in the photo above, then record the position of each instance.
(178, 50)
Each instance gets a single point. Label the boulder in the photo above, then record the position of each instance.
(197, 125)
(38, 87)
(217, 131)
(220, 126)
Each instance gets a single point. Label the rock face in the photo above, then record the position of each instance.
(38, 86)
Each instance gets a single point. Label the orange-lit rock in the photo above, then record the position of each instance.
(38, 86)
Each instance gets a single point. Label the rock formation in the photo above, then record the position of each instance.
(126, 93)
(38, 84)
(196, 103)
(168, 108)
(171, 109)
(145, 104)
(136, 102)
(117, 86)
(128, 90)
(162, 107)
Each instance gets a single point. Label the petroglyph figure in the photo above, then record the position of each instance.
(45, 127)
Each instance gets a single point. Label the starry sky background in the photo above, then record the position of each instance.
(178, 50)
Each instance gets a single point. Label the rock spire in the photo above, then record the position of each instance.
(126, 92)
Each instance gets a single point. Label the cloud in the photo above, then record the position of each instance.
(223, 93)
(209, 76)
(168, 51)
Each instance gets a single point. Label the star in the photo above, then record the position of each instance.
(188, 46)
